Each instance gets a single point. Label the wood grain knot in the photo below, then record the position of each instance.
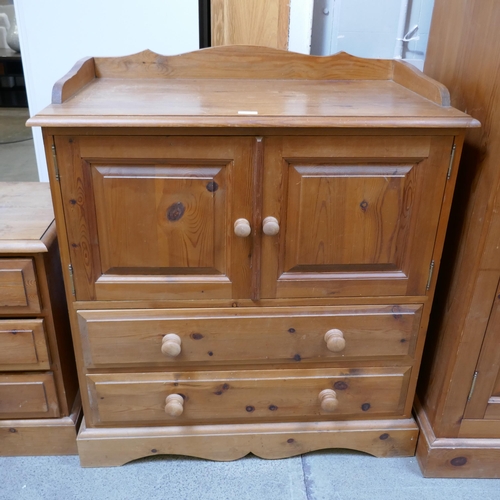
(175, 211)
(364, 205)
(212, 186)
(396, 312)
(384, 436)
(458, 461)
(365, 406)
(196, 336)
(210, 353)
(250, 409)
(12, 430)
(340, 386)
(273, 407)
(154, 450)
(297, 357)
(291, 330)
(403, 341)
(290, 441)
(73, 202)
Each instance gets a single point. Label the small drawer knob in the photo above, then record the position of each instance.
(242, 228)
(174, 405)
(328, 400)
(335, 341)
(270, 226)
(171, 345)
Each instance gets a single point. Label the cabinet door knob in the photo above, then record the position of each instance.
(174, 405)
(335, 341)
(328, 400)
(242, 228)
(171, 345)
(270, 226)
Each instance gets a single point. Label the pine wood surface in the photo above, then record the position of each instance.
(37, 368)
(254, 22)
(24, 395)
(455, 457)
(468, 65)
(293, 335)
(23, 345)
(24, 219)
(176, 89)
(111, 447)
(148, 217)
(50, 436)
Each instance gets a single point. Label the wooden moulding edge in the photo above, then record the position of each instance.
(454, 457)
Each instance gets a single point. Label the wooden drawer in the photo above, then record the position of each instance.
(28, 395)
(23, 345)
(223, 397)
(247, 335)
(18, 288)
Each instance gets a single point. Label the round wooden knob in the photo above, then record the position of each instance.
(270, 226)
(174, 405)
(171, 345)
(242, 228)
(328, 400)
(335, 341)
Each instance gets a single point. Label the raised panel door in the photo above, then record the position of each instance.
(358, 215)
(152, 217)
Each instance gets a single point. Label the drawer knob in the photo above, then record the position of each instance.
(174, 405)
(270, 226)
(328, 400)
(242, 228)
(335, 341)
(171, 345)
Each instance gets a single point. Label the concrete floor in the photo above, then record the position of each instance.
(326, 475)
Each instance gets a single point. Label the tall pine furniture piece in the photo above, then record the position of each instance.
(459, 392)
(250, 240)
(39, 404)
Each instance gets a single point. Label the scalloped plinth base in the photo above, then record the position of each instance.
(104, 447)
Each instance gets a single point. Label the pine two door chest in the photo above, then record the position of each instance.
(250, 239)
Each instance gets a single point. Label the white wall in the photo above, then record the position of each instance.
(299, 35)
(55, 34)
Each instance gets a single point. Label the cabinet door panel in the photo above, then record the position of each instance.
(358, 215)
(152, 217)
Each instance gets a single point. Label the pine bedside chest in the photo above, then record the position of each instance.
(250, 239)
(40, 407)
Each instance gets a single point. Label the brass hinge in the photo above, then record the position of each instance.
(54, 159)
(474, 378)
(429, 279)
(452, 158)
(72, 279)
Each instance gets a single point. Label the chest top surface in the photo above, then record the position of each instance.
(242, 86)
(25, 214)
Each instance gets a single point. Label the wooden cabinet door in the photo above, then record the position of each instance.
(483, 407)
(152, 217)
(358, 215)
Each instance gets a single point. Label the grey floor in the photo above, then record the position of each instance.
(328, 475)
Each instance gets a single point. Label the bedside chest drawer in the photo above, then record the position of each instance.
(28, 395)
(18, 288)
(23, 345)
(235, 396)
(248, 335)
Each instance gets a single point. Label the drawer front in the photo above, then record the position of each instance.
(28, 395)
(247, 335)
(18, 288)
(246, 396)
(23, 345)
